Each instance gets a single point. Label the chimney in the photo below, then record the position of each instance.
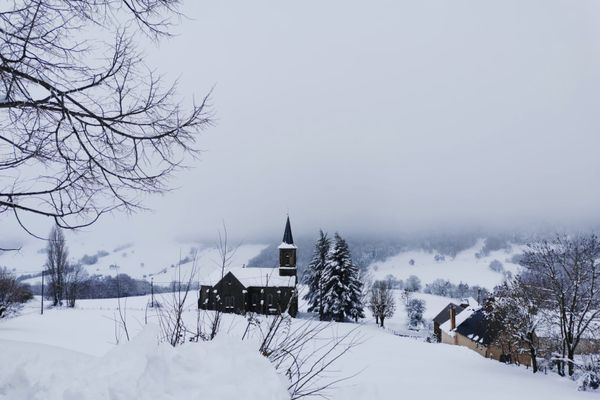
(452, 317)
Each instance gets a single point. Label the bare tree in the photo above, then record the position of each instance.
(381, 301)
(304, 352)
(121, 322)
(56, 264)
(515, 314)
(74, 278)
(226, 254)
(85, 126)
(565, 271)
(171, 312)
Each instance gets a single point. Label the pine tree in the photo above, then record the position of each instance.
(342, 286)
(314, 273)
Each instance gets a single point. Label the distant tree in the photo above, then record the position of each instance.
(342, 290)
(394, 282)
(12, 293)
(74, 279)
(496, 266)
(412, 284)
(381, 301)
(56, 265)
(439, 287)
(415, 310)
(313, 277)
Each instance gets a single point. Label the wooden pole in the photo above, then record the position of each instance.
(42, 305)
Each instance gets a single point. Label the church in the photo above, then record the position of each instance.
(259, 290)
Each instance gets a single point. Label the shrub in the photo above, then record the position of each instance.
(12, 293)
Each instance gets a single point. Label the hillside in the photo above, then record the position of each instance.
(141, 260)
(471, 266)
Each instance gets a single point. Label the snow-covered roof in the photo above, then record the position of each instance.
(253, 277)
(284, 245)
(460, 318)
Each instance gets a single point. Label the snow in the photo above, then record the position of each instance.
(140, 369)
(253, 277)
(465, 267)
(72, 353)
(285, 245)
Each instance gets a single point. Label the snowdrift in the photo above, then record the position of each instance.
(141, 369)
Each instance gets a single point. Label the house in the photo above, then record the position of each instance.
(259, 290)
(471, 327)
(444, 316)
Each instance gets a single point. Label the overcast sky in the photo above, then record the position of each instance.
(384, 115)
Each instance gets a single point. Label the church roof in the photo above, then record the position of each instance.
(288, 239)
(253, 277)
(287, 234)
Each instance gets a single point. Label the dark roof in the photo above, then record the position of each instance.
(287, 234)
(444, 315)
(478, 328)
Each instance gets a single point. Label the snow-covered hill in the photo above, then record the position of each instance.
(141, 260)
(471, 266)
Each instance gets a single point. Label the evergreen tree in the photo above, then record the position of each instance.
(314, 274)
(342, 294)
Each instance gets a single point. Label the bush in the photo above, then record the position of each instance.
(12, 293)
(589, 379)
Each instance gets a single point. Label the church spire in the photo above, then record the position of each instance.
(287, 234)
(287, 252)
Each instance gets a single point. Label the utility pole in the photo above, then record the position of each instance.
(152, 290)
(42, 306)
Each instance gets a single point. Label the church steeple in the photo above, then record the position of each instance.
(287, 234)
(287, 252)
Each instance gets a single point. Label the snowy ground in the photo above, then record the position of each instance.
(465, 267)
(71, 354)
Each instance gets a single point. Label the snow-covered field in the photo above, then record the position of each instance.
(72, 355)
(465, 267)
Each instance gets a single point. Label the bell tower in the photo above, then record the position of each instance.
(287, 252)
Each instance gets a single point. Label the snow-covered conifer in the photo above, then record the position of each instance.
(343, 295)
(314, 273)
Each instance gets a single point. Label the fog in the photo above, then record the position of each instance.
(383, 116)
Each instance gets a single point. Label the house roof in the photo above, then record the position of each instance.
(253, 277)
(460, 318)
(444, 315)
(478, 328)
